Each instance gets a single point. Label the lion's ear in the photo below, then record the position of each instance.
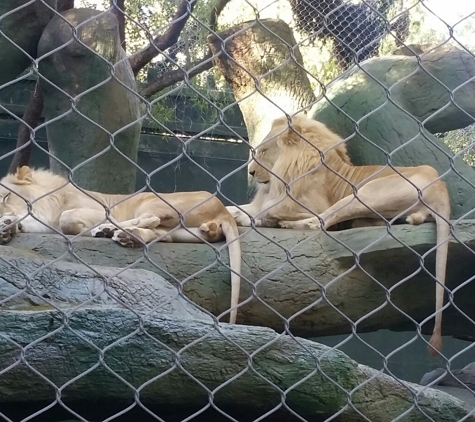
(291, 137)
(23, 176)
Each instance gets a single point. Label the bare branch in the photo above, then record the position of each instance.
(163, 41)
(174, 76)
(31, 117)
(213, 20)
(118, 8)
(65, 5)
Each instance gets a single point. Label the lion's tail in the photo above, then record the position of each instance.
(231, 233)
(443, 233)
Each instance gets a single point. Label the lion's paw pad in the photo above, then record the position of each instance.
(302, 225)
(211, 229)
(127, 240)
(104, 231)
(7, 230)
(5, 237)
(311, 226)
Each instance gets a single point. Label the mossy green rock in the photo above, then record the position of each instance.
(311, 278)
(141, 352)
(23, 26)
(389, 109)
(90, 84)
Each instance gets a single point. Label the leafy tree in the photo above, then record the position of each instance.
(166, 41)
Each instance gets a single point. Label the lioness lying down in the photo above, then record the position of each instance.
(301, 192)
(58, 206)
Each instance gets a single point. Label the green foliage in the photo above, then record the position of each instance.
(147, 18)
(461, 141)
(161, 109)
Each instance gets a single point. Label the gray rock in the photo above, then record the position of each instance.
(31, 284)
(291, 283)
(460, 378)
(110, 107)
(461, 393)
(32, 19)
(144, 352)
(415, 94)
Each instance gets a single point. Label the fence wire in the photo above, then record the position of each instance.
(136, 325)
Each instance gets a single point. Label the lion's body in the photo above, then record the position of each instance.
(298, 190)
(59, 206)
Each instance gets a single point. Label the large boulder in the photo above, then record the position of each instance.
(289, 270)
(396, 104)
(100, 126)
(65, 285)
(23, 25)
(114, 333)
(455, 378)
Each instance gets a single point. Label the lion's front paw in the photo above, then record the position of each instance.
(8, 228)
(234, 211)
(104, 230)
(129, 239)
(307, 224)
(242, 219)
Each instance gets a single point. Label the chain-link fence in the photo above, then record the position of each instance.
(301, 166)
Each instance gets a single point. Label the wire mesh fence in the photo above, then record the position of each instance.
(226, 210)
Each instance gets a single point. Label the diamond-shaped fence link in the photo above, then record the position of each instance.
(237, 210)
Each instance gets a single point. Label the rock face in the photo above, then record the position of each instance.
(457, 382)
(65, 285)
(106, 118)
(115, 331)
(416, 95)
(142, 352)
(32, 19)
(456, 378)
(291, 284)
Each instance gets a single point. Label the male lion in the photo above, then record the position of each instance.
(302, 191)
(58, 206)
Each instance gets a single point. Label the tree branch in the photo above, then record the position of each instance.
(65, 5)
(174, 76)
(213, 20)
(163, 41)
(200, 66)
(117, 9)
(30, 119)
(32, 115)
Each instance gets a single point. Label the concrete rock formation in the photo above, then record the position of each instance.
(418, 96)
(140, 342)
(107, 117)
(32, 19)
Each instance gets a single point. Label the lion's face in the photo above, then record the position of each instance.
(14, 189)
(10, 201)
(4, 197)
(266, 154)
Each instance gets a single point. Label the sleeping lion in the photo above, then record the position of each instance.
(59, 206)
(303, 192)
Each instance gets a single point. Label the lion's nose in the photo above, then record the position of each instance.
(252, 172)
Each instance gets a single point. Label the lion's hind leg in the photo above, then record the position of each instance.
(144, 221)
(136, 232)
(136, 237)
(80, 220)
(210, 231)
(390, 197)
